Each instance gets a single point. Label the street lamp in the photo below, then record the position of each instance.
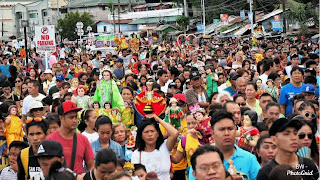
(60, 30)
(25, 24)
(89, 29)
(79, 29)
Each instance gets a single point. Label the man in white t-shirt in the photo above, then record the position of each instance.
(163, 80)
(34, 95)
(268, 68)
(62, 52)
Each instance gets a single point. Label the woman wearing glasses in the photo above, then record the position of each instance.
(307, 111)
(307, 139)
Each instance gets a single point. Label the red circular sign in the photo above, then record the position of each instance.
(44, 30)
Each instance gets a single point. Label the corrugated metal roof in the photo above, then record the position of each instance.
(163, 27)
(96, 2)
(123, 21)
(154, 20)
(273, 13)
(230, 30)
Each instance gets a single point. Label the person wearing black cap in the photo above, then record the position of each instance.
(233, 88)
(48, 153)
(197, 94)
(76, 147)
(172, 88)
(119, 70)
(284, 133)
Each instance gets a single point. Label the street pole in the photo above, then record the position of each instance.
(284, 17)
(185, 5)
(119, 15)
(251, 13)
(48, 12)
(114, 22)
(26, 43)
(2, 31)
(204, 18)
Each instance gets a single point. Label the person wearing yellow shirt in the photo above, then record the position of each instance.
(188, 144)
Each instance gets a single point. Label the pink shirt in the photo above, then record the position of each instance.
(83, 151)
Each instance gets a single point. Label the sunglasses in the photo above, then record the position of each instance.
(303, 135)
(242, 104)
(309, 114)
(37, 119)
(37, 109)
(17, 81)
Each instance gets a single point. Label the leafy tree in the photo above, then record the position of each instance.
(303, 14)
(183, 23)
(68, 24)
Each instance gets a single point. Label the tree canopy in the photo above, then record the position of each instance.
(68, 24)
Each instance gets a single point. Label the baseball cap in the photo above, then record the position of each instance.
(66, 107)
(223, 63)
(59, 77)
(254, 50)
(281, 124)
(119, 60)
(48, 71)
(195, 75)
(172, 85)
(50, 148)
(180, 97)
(233, 76)
(308, 88)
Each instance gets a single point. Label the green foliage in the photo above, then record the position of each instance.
(68, 24)
(302, 13)
(110, 5)
(183, 23)
(224, 28)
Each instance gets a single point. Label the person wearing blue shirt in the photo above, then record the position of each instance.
(4, 68)
(119, 70)
(232, 78)
(96, 61)
(104, 128)
(224, 132)
(288, 91)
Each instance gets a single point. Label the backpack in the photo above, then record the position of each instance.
(25, 160)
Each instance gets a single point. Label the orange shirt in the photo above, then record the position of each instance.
(23, 53)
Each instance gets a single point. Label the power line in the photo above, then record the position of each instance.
(218, 7)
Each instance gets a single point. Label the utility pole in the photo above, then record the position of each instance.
(185, 6)
(130, 6)
(204, 18)
(251, 13)
(57, 8)
(114, 22)
(284, 17)
(2, 31)
(119, 14)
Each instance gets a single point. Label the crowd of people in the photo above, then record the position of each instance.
(213, 109)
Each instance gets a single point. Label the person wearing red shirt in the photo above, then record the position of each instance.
(66, 135)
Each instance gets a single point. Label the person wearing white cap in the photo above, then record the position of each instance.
(34, 95)
(49, 78)
(37, 109)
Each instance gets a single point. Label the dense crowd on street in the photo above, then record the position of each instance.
(219, 108)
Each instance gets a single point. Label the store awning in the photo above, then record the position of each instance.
(244, 29)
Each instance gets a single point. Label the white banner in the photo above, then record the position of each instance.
(45, 38)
